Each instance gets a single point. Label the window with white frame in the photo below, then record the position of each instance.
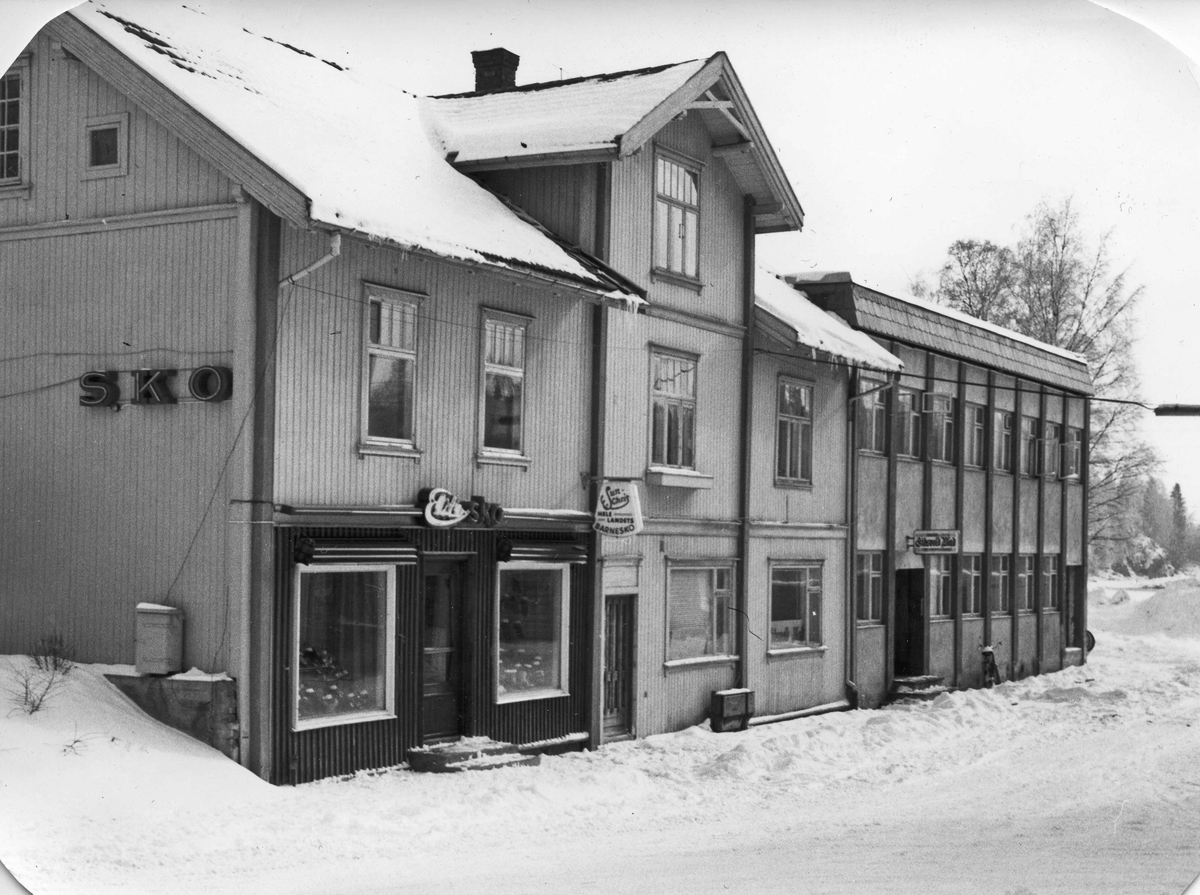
(796, 592)
(1025, 582)
(699, 612)
(976, 423)
(793, 438)
(673, 410)
(908, 419)
(1029, 445)
(344, 644)
(941, 586)
(1051, 452)
(390, 366)
(941, 428)
(1002, 445)
(14, 128)
(104, 146)
(868, 586)
(1072, 453)
(872, 417)
(970, 583)
(533, 608)
(1050, 582)
(1000, 584)
(504, 356)
(676, 217)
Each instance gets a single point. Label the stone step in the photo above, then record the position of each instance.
(467, 754)
(916, 681)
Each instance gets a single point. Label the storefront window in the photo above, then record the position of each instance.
(345, 636)
(532, 608)
(699, 606)
(795, 606)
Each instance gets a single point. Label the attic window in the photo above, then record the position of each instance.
(14, 126)
(105, 146)
(676, 217)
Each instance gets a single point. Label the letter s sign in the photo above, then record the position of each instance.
(99, 389)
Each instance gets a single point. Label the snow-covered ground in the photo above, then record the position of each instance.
(1084, 781)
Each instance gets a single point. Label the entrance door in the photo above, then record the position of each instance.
(442, 670)
(618, 666)
(910, 622)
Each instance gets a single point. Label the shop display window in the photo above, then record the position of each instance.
(532, 616)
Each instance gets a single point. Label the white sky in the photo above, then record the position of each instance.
(903, 125)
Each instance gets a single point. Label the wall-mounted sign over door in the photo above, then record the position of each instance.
(102, 388)
(618, 510)
(934, 541)
(442, 509)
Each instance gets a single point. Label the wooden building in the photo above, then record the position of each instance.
(968, 481)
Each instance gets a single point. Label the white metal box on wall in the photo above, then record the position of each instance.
(158, 647)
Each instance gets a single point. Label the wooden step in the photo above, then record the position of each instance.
(467, 754)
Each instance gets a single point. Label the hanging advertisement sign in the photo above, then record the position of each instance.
(442, 509)
(618, 510)
(934, 541)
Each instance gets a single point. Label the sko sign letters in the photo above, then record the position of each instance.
(101, 388)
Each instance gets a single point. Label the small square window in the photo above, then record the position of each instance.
(104, 147)
(102, 143)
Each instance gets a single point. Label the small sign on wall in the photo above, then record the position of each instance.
(934, 541)
(618, 510)
(102, 388)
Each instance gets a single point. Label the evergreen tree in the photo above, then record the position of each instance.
(1178, 547)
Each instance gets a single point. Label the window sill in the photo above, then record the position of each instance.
(101, 173)
(677, 279)
(698, 662)
(488, 458)
(869, 623)
(796, 652)
(368, 448)
(942, 619)
(909, 458)
(793, 484)
(530, 695)
(337, 720)
(669, 477)
(15, 190)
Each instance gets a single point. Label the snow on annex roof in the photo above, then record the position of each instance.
(576, 115)
(357, 149)
(819, 329)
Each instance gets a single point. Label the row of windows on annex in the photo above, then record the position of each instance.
(925, 420)
(1005, 588)
(105, 137)
(344, 641)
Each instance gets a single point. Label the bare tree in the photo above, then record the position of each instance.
(976, 279)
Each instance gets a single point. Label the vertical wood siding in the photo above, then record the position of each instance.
(104, 509)
(561, 198)
(162, 171)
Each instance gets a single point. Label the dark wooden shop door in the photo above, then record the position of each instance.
(618, 666)
(442, 668)
(910, 622)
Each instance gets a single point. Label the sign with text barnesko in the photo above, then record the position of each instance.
(619, 510)
(937, 541)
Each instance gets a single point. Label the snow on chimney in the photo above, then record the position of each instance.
(494, 69)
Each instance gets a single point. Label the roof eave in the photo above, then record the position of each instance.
(539, 160)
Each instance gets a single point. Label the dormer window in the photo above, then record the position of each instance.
(676, 217)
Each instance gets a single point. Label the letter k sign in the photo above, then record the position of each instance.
(150, 387)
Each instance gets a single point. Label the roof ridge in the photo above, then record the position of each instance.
(549, 85)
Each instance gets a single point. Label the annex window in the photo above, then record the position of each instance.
(868, 586)
(673, 411)
(1025, 582)
(532, 621)
(796, 606)
(14, 128)
(1029, 445)
(970, 583)
(676, 217)
(1002, 449)
(104, 146)
(390, 367)
(699, 612)
(872, 417)
(503, 411)
(1000, 584)
(976, 435)
(941, 587)
(344, 643)
(793, 439)
(941, 427)
(1051, 448)
(1072, 453)
(908, 419)
(1050, 582)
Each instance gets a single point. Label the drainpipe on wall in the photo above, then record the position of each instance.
(335, 249)
(852, 693)
(747, 417)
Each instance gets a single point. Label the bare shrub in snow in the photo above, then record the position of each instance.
(50, 654)
(32, 685)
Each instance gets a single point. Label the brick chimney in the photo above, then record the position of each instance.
(494, 69)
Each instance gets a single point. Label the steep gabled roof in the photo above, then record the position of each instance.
(612, 116)
(945, 330)
(311, 139)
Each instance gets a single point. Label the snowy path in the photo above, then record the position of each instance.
(1083, 781)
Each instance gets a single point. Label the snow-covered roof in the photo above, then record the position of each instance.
(819, 329)
(357, 149)
(577, 115)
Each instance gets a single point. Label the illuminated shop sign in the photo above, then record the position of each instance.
(442, 509)
(102, 388)
(934, 541)
(618, 510)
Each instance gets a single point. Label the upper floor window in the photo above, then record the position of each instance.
(868, 586)
(1000, 583)
(1002, 444)
(1072, 453)
(699, 612)
(1025, 582)
(795, 606)
(941, 587)
(1051, 448)
(976, 435)
(390, 367)
(673, 411)
(13, 121)
(941, 427)
(104, 148)
(793, 440)
(908, 418)
(1029, 445)
(503, 407)
(1050, 582)
(676, 217)
(872, 417)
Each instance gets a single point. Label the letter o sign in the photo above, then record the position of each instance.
(211, 384)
